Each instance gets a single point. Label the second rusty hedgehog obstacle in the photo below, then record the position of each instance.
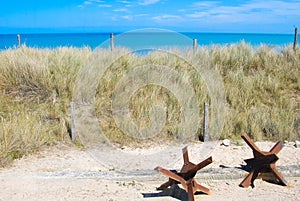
(262, 162)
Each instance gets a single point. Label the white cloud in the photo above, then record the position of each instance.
(148, 2)
(166, 17)
(87, 2)
(127, 17)
(91, 2)
(198, 14)
(120, 10)
(98, 1)
(250, 11)
(104, 5)
(205, 4)
(124, 2)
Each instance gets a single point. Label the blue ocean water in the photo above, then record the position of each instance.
(93, 40)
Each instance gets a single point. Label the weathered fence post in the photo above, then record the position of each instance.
(295, 38)
(111, 41)
(205, 122)
(73, 127)
(194, 44)
(19, 40)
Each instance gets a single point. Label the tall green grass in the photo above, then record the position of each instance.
(262, 93)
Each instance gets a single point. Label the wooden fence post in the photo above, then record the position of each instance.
(19, 40)
(73, 127)
(205, 122)
(295, 39)
(194, 44)
(111, 41)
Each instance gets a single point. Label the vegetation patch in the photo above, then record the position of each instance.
(262, 93)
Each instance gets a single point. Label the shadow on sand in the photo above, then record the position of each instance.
(265, 176)
(174, 191)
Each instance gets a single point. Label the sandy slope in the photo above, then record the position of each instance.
(68, 173)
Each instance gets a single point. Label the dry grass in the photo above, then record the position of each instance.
(36, 89)
(262, 90)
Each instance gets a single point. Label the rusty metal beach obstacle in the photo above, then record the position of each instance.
(263, 162)
(186, 176)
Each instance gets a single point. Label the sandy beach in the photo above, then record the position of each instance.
(69, 173)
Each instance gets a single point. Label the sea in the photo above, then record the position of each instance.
(141, 39)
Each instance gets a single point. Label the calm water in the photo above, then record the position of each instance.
(133, 40)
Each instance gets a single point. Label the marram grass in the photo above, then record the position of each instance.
(262, 93)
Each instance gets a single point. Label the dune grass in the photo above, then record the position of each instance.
(262, 93)
(36, 89)
(262, 90)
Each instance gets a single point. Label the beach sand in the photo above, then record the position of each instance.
(69, 173)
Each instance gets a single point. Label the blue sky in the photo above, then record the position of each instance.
(258, 16)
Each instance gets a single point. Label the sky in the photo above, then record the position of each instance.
(231, 16)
